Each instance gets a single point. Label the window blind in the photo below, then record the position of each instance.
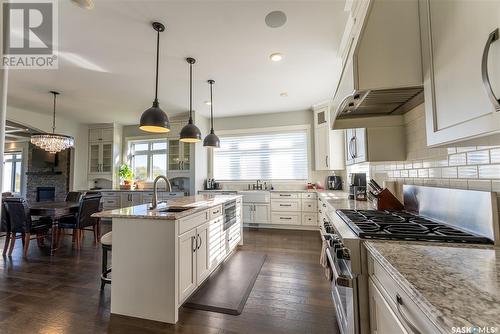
(269, 156)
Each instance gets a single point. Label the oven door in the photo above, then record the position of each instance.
(344, 288)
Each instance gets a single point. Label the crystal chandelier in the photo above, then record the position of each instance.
(53, 142)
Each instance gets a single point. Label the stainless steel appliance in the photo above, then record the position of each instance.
(357, 186)
(229, 214)
(430, 214)
(334, 182)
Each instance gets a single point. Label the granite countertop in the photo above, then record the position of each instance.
(195, 203)
(454, 286)
(161, 189)
(340, 200)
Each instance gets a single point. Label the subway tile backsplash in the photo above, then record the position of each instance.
(460, 167)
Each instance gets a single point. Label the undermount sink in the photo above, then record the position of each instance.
(175, 209)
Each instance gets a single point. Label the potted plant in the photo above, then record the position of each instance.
(126, 174)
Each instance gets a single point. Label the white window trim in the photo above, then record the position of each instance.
(276, 129)
(128, 158)
(17, 150)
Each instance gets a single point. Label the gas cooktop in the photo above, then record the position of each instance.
(403, 225)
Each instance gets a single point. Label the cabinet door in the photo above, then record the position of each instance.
(322, 147)
(247, 213)
(174, 149)
(202, 253)
(215, 251)
(360, 145)
(350, 138)
(107, 134)
(457, 104)
(382, 318)
(261, 214)
(107, 158)
(187, 264)
(94, 158)
(95, 135)
(185, 156)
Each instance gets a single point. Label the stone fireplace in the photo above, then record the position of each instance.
(50, 181)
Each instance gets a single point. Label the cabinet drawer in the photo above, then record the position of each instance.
(109, 193)
(109, 203)
(285, 205)
(309, 205)
(310, 219)
(308, 195)
(284, 195)
(391, 290)
(166, 195)
(188, 223)
(215, 211)
(286, 218)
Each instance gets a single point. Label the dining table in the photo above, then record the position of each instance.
(54, 210)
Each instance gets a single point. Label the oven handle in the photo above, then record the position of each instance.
(340, 279)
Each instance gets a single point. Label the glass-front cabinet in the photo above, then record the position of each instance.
(101, 158)
(179, 155)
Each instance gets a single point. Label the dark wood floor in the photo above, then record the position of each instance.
(60, 294)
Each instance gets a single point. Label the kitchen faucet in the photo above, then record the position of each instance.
(154, 201)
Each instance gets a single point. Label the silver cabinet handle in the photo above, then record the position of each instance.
(399, 303)
(484, 70)
(193, 247)
(286, 218)
(285, 205)
(351, 147)
(326, 161)
(198, 238)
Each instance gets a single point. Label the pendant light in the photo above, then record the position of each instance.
(154, 119)
(211, 140)
(190, 132)
(53, 142)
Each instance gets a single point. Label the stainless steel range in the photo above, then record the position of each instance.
(430, 215)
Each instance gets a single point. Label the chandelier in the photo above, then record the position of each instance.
(52, 142)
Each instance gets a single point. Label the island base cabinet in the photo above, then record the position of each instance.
(382, 318)
(187, 264)
(202, 252)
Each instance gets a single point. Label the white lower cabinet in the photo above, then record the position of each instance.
(202, 253)
(128, 199)
(203, 245)
(187, 264)
(382, 318)
(391, 308)
(256, 213)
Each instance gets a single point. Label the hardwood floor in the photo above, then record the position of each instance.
(60, 294)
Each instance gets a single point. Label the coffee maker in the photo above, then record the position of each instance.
(357, 186)
(334, 182)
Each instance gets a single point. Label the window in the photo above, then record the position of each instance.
(267, 156)
(148, 158)
(12, 166)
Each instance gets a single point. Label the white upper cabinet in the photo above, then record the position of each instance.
(456, 63)
(328, 143)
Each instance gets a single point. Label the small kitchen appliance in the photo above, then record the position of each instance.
(357, 186)
(334, 182)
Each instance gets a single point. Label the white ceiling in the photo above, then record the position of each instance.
(229, 40)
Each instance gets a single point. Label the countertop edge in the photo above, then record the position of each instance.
(425, 306)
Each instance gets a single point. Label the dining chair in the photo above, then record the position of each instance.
(19, 221)
(82, 220)
(5, 227)
(74, 196)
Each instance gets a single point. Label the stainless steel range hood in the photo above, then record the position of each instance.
(382, 74)
(379, 102)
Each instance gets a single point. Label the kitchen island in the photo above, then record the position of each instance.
(161, 256)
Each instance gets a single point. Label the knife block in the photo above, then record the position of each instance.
(387, 201)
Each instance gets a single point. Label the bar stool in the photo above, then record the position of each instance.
(106, 247)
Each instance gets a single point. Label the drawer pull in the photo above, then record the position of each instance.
(399, 303)
(285, 205)
(285, 195)
(286, 218)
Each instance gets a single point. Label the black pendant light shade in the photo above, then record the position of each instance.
(190, 132)
(154, 119)
(211, 140)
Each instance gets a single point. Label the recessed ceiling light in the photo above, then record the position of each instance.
(284, 94)
(275, 19)
(208, 103)
(276, 56)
